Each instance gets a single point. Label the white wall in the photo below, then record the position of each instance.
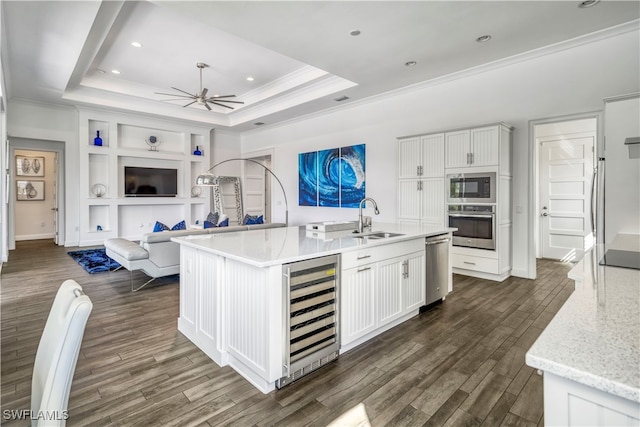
(566, 82)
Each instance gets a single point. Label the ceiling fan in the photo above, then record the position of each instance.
(201, 96)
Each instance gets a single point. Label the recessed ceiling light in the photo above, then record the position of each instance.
(136, 44)
(258, 123)
(341, 98)
(250, 79)
(410, 63)
(483, 39)
(115, 71)
(354, 32)
(101, 71)
(588, 3)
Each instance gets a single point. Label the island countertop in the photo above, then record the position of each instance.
(273, 246)
(594, 339)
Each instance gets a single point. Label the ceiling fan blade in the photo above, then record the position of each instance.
(222, 105)
(207, 105)
(224, 100)
(180, 90)
(204, 92)
(189, 104)
(223, 96)
(174, 94)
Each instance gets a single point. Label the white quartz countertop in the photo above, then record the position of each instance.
(274, 246)
(594, 339)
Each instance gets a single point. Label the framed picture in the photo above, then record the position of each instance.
(29, 190)
(29, 166)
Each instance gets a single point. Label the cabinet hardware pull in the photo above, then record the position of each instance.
(364, 257)
(470, 263)
(418, 185)
(472, 158)
(360, 270)
(468, 159)
(418, 170)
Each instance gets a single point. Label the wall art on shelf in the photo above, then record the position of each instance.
(29, 190)
(29, 166)
(333, 177)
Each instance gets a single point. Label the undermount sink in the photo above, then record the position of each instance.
(377, 235)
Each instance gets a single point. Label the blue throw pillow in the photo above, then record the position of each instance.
(209, 224)
(224, 223)
(180, 226)
(213, 217)
(159, 227)
(249, 220)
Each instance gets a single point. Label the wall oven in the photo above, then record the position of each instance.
(476, 225)
(471, 187)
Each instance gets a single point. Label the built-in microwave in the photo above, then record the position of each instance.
(471, 187)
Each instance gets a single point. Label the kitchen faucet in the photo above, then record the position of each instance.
(361, 224)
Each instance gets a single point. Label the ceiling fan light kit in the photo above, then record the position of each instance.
(201, 97)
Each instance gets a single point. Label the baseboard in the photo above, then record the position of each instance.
(35, 237)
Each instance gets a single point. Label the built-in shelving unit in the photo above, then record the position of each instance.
(124, 144)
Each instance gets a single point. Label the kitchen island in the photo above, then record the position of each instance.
(590, 351)
(234, 305)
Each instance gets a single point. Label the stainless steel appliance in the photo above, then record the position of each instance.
(618, 201)
(311, 320)
(471, 187)
(437, 280)
(476, 225)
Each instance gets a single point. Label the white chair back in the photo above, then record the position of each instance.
(57, 355)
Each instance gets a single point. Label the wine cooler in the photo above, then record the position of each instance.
(311, 289)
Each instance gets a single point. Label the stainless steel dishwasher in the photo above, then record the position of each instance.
(437, 275)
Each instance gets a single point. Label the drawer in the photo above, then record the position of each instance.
(367, 255)
(475, 263)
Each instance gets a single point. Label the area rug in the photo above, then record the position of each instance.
(94, 260)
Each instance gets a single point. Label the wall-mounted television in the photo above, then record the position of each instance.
(150, 182)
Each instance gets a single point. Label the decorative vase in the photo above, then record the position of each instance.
(97, 140)
(197, 152)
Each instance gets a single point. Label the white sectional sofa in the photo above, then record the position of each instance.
(156, 255)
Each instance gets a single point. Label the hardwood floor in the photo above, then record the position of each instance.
(459, 364)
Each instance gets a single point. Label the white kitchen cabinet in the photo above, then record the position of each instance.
(357, 302)
(421, 201)
(473, 147)
(413, 282)
(379, 287)
(569, 403)
(421, 156)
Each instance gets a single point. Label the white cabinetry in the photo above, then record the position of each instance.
(473, 147)
(380, 287)
(421, 180)
(111, 214)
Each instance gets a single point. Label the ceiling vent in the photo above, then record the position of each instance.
(341, 98)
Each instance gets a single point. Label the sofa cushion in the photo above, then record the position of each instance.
(213, 217)
(252, 219)
(159, 227)
(127, 249)
(166, 236)
(209, 224)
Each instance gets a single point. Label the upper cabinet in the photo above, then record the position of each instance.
(421, 156)
(473, 147)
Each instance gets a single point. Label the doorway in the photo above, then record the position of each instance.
(257, 184)
(36, 191)
(564, 222)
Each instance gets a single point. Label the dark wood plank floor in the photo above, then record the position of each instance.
(460, 364)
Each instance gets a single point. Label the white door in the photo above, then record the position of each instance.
(566, 169)
(254, 189)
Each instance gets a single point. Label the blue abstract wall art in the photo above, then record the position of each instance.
(333, 178)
